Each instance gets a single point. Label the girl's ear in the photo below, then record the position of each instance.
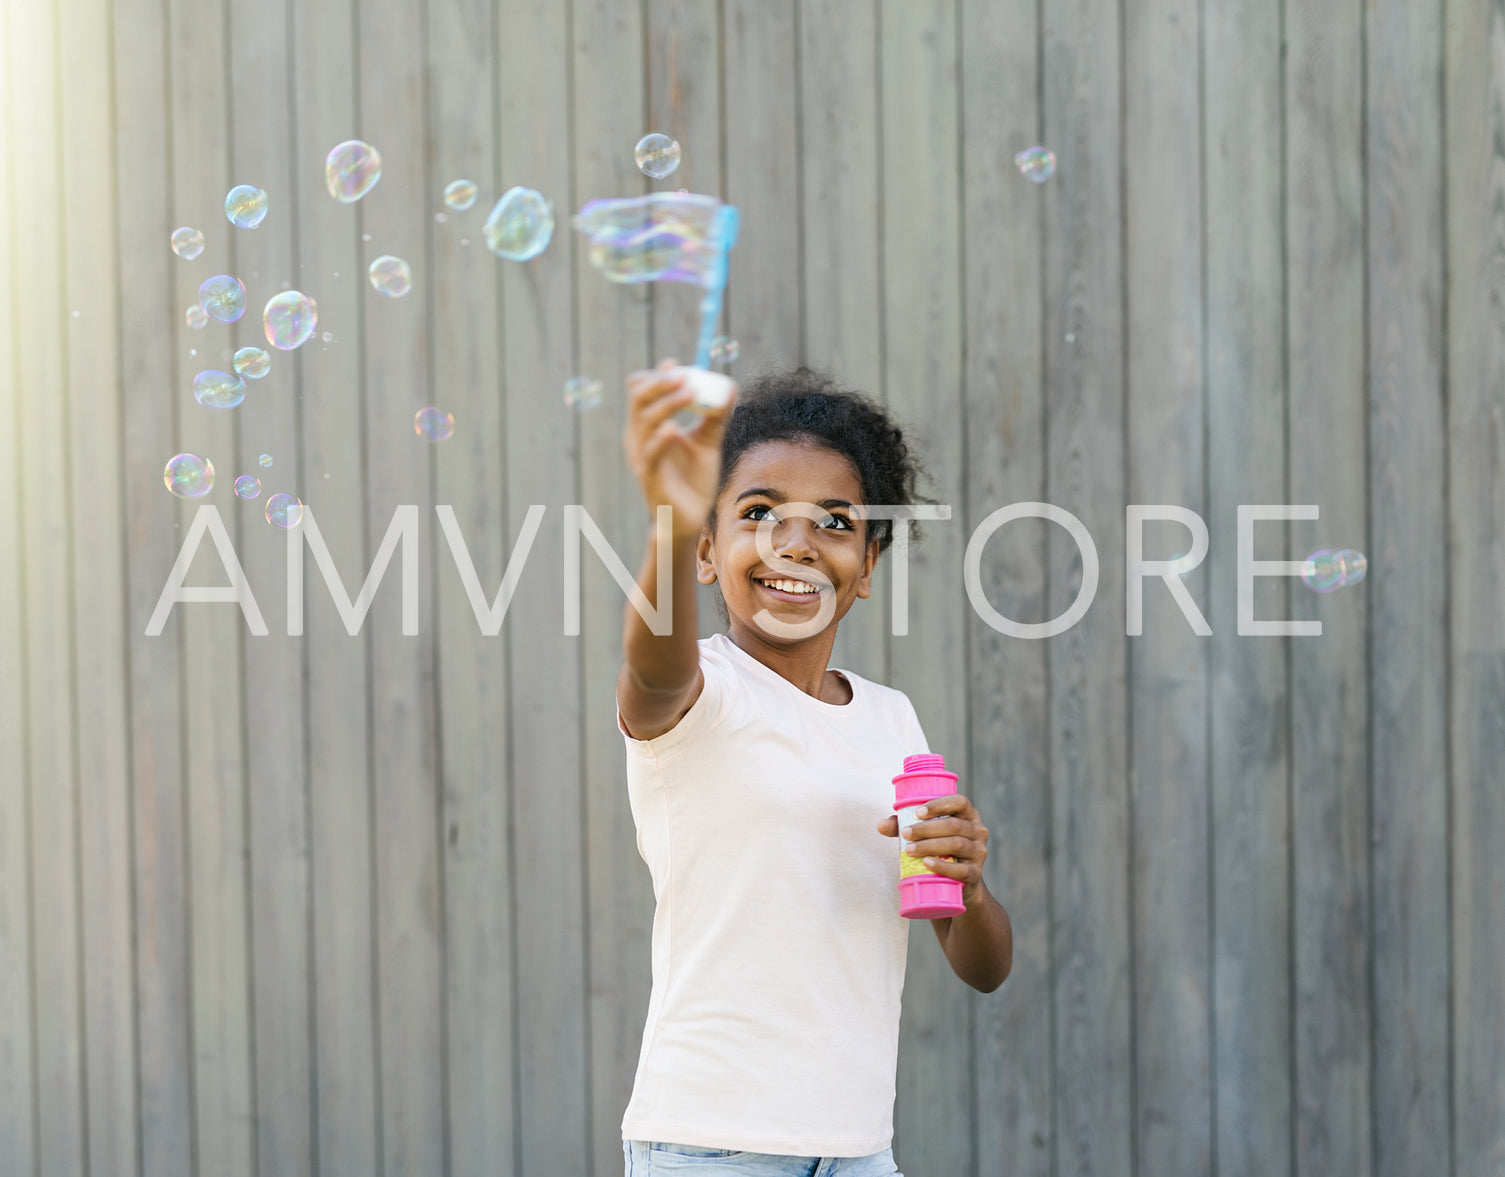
(705, 564)
(869, 562)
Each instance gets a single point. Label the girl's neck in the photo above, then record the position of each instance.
(802, 662)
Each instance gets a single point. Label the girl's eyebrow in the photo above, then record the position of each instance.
(766, 492)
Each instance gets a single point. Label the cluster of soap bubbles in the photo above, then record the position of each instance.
(1325, 570)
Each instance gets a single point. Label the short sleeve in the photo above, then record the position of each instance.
(707, 712)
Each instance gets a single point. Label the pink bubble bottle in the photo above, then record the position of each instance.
(923, 895)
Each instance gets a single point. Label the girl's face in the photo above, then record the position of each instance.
(765, 477)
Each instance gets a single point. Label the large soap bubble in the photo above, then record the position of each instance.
(246, 206)
(351, 169)
(189, 476)
(218, 390)
(520, 225)
(657, 155)
(289, 319)
(460, 194)
(390, 276)
(223, 298)
(187, 243)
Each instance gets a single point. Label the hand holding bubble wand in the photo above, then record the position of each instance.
(668, 237)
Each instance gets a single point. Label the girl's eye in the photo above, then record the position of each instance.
(842, 520)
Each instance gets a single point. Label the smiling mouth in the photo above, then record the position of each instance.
(795, 590)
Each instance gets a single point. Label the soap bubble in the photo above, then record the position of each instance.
(187, 243)
(724, 349)
(247, 486)
(246, 206)
(327, 337)
(218, 390)
(440, 218)
(351, 169)
(265, 461)
(433, 424)
(252, 363)
(1036, 163)
(520, 225)
(195, 317)
(390, 276)
(657, 155)
(460, 194)
(189, 476)
(289, 319)
(284, 511)
(582, 393)
(1326, 570)
(223, 298)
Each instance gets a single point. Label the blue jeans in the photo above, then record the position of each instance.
(656, 1159)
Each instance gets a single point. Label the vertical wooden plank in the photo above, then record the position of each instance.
(212, 658)
(1168, 660)
(464, 279)
(1330, 815)
(1241, 151)
(842, 278)
(1475, 129)
(1004, 462)
(327, 380)
(611, 339)
(276, 773)
(560, 1128)
(1408, 639)
(17, 1077)
(759, 141)
(149, 309)
(921, 331)
(683, 77)
(1084, 374)
(98, 530)
(45, 498)
(409, 903)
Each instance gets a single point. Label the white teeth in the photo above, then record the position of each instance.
(791, 586)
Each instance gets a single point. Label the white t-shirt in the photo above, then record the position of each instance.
(778, 947)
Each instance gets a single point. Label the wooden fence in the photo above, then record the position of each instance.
(371, 905)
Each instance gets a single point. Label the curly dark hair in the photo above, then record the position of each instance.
(806, 406)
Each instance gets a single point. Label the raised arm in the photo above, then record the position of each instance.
(660, 677)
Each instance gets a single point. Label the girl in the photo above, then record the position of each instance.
(759, 780)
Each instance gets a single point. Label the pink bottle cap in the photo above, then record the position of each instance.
(929, 897)
(924, 777)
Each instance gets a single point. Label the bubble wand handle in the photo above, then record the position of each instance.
(724, 234)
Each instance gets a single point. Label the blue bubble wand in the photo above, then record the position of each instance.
(665, 237)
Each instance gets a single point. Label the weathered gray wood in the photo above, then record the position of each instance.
(1407, 545)
(1167, 662)
(759, 140)
(213, 662)
(98, 534)
(1084, 329)
(17, 1077)
(45, 502)
(612, 338)
(1005, 463)
(842, 277)
(1249, 851)
(1475, 131)
(921, 325)
(462, 282)
(1327, 693)
(276, 802)
(396, 376)
(149, 311)
(326, 381)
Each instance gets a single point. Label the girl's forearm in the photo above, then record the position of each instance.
(979, 943)
(664, 661)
